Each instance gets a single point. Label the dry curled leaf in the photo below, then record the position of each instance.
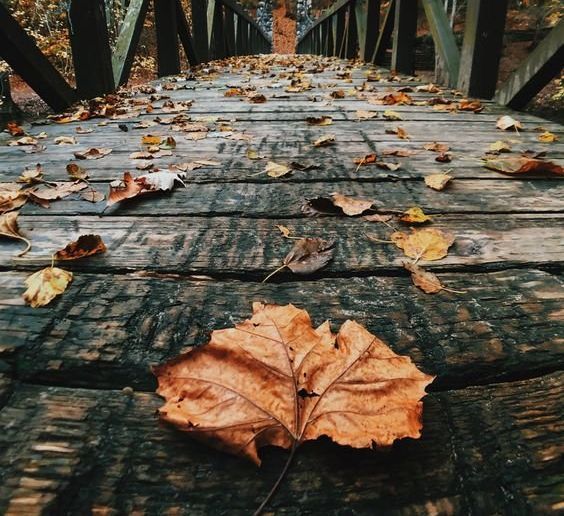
(499, 146)
(76, 172)
(400, 132)
(319, 120)
(376, 217)
(437, 181)
(131, 187)
(523, 165)
(391, 115)
(93, 196)
(32, 175)
(273, 169)
(44, 285)
(324, 141)
(426, 281)
(547, 137)
(9, 228)
(85, 245)
(253, 154)
(470, 105)
(25, 140)
(14, 129)
(427, 244)
(92, 153)
(276, 380)
(256, 98)
(414, 215)
(437, 147)
(309, 255)
(58, 190)
(368, 159)
(65, 140)
(362, 114)
(286, 232)
(506, 122)
(351, 205)
(444, 157)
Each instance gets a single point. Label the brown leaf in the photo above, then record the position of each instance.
(361, 114)
(256, 98)
(470, 105)
(436, 147)
(86, 245)
(444, 157)
(368, 159)
(273, 169)
(59, 191)
(506, 122)
(14, 129)
(351, 205)
(319, 120)
(275, 380)
(309, 255)
(9, 229)
(131, 187)
(427, 244)
(32, 176)
(391, 115)
(337, 94)
(523, 165)
(44, 285)
(426, 281)
(11, 199)
(400, 132)
(92, 153)
(324, 141)
(76, 171)
(414, 215)
(286, 232)
(437, 181)
(499, 146)
(378, 218)
(400, 153)
(92, 196)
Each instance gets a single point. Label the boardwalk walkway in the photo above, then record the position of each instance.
(79, 433)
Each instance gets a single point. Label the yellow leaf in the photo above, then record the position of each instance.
(547, 137)
(150, 139)
(44, 285)
(426, 244)
(500, 146)
(437, 181)
(276, 170)
(284, 230)
(414, 215)
(391, 115)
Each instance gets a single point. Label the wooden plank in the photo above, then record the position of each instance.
(91, 52)
(405, 29)
(24, 57)
(199, 10)
(255, 199)
(484, 242)
(367, 16)
(443, 38)
(166, 26)
(483, 450)
(128, 39)
(542, 65)
(484, 26)
(107, 329)
(385, 34)
(185, 35)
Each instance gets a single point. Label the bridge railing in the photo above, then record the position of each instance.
(215, 29)
(352, 28)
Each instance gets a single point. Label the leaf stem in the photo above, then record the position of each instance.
(278, 481)
(273, 273)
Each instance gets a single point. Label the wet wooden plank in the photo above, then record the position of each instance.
(256, 199)
(107, 329)
(243, 246)
(483, 450)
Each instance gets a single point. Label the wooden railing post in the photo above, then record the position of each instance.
(341, 25)
(215, 28)
(367, 14)
(385, 34)
(405, 29)
(230, 31)
(200, 29)
(91, 52)
(184, 33)
(481, 51)
(168, 55)
(128, 39)
(352, 34)
(19, 50)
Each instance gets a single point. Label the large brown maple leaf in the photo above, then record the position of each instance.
(276, 380)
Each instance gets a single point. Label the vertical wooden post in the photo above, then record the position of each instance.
(200, 29)
(340, 39)
(230, 31)
(184, 34)
(352, 34)
(385, 34)
(481, 50)
(405, 29)
(168, 55)
(217, 31)
(91, 53)
(367, 14)
(330, 36)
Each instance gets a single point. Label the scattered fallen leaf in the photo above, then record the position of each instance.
(337, 94)
(273, 169)
(500, 146)
(31, 176)
(25, 140)
(169, 143)
(427, 244)
(426, 281)
(523, 165)
(82, 130)
(9, 229)
(350, 205)
(547, 137)
(400, 153)
(366, 115)
(253, 154)
(14, 129)
(58, 190)
(400, 132)
(444, 157)
(256, 98)
(368, 159)
(414, 215)
(470, 105)
(44, 285)
(11, 198)
(378, 218)
(93, 196)
(437, 181)
(239, 394)
(319, 120)
(325, 141)
(131, 187)
(92, 153)
(506, 122)
(284, 230)
(86, 245)
(436, 147)
(391, 115)
(76, 171)
(65, 140)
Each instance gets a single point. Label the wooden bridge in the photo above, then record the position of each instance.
(79, 432)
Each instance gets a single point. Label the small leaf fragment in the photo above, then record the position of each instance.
(437, 181)
(325, 141)
(44, 285)
(500, 146)
(92, 153)
(65, 140)
(9, 228)
(76, 171)
(319, 120)
(547, 137)
(32, 176)
(85, 245)
(391, 115)
(437, 147)
(414, 215)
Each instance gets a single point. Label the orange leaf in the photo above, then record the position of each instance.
(276, 380)
(86, 245)
(523, 165)
(427, 244)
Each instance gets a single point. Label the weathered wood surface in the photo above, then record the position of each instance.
(183, 263)
(484, 450)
